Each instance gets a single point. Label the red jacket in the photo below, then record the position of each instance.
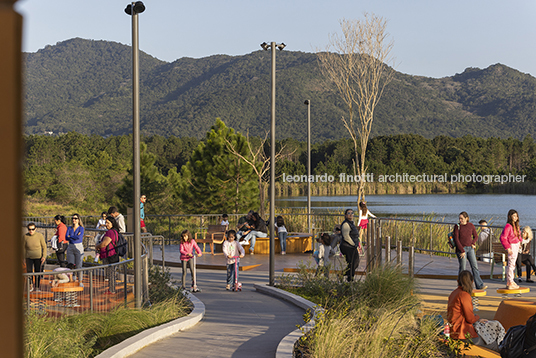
(60, 233)
(460, 314)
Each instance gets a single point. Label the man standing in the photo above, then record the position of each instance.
(119, 218)
(143, 199)
(35, 253)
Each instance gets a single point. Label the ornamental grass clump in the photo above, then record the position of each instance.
(375, 316)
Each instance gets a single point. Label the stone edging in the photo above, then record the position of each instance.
(135, 343)
(285, 348)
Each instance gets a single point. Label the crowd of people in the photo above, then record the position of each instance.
(67, 244)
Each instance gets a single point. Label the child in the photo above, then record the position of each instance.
(324, 252)
(60, 277)
(281, 233)
(231, 249)
(186, 248)
(225, 221)
(364, 213)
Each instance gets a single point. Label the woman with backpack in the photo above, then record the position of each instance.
(107, 251)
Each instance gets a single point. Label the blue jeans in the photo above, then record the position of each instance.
(231, 272)
(252, 236)
(470, 256)
(283, 240)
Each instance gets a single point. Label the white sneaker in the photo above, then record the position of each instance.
(283, 253)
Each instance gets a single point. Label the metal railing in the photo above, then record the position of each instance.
(95, 287)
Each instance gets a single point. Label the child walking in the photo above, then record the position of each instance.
(364, 213)
(232, 249)
(187, 246)
(324, 252)
(281, 233)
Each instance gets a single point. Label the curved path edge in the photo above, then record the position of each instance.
(135, 343)
(285, 348)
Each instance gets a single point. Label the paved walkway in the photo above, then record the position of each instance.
(251, 324)
(236, 324)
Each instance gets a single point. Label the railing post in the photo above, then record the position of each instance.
(377, 233)
(370, 257)
(163, 253)
(399, 252)
(388, 249)
(91, 290)
(124, 282)
(411, 261)
(431, 243)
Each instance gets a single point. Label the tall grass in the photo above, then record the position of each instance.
(375, 316)
(88, 334)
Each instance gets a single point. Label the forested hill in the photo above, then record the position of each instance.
(85, 86)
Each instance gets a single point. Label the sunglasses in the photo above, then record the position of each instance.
(76, 218)
(31, 229)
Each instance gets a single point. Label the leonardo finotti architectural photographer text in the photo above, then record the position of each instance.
(406, 178)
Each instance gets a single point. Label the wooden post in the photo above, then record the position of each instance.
(388, 249)
(399, 252)
(11, 146)
(411, 261)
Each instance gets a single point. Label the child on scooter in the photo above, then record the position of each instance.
(232, 249)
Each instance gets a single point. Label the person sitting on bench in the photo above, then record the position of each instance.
(524, 256)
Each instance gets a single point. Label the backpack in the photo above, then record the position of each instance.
(520, 341)
(450, 238)
(121, 245)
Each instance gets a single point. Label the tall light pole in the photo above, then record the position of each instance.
(133, 9)
(308, 104)
(265, 47)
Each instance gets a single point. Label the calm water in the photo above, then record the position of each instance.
(491, 207)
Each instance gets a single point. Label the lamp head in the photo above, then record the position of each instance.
(307, 102)
(138, 8)
(265, 46)
(281, 46)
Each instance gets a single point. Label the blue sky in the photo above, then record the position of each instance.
(431, 38)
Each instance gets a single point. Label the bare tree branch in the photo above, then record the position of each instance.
(356, 64)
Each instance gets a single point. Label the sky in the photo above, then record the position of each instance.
(431, 38)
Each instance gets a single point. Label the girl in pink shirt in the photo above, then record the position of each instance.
(186, 248)
(511, 239)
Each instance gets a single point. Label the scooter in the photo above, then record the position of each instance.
(237, 285)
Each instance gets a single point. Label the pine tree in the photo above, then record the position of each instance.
(216, 181)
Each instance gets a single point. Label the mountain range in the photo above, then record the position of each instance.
(86, 86)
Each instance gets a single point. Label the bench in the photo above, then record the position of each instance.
(215, 234)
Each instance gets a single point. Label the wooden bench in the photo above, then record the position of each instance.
(215, 234)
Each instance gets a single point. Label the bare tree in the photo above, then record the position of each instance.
(259, 162)
(356, 63)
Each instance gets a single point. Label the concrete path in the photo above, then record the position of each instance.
(251, 324)
(236, 324)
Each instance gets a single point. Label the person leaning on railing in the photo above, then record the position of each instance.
(107, 251)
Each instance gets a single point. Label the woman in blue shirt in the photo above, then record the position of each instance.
(75, 251)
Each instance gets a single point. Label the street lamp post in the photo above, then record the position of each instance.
(133, 10)
(273, 46)
(308, 103)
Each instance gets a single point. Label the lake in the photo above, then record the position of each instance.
(491, 207)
